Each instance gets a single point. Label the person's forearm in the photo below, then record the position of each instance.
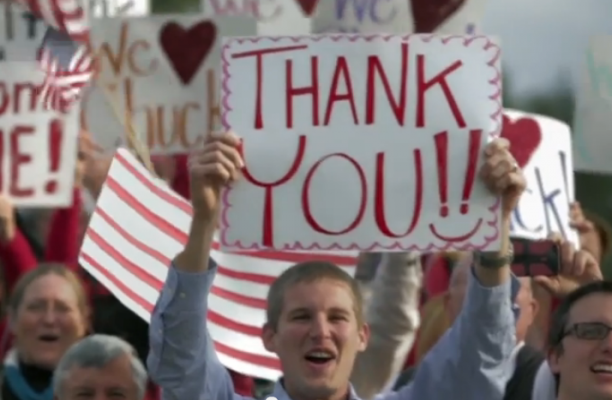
(393, 317)
(491, 277)
(194, 258)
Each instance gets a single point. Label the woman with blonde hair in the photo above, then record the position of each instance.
(47, 313)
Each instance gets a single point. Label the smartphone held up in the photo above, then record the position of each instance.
(535, 257)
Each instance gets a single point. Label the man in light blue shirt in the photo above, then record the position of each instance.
(314, 310)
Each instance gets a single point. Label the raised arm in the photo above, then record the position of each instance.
(393, 316)
(182, 358)
(471, 361)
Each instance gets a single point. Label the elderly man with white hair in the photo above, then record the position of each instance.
(100, 367)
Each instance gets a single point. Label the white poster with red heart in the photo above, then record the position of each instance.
(358, 148)
(542, 147)
(400, 16)
(274, 17)
(593, 116)
(162, 74)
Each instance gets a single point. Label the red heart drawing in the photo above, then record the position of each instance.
(429, 15)
(308, 6)
(187, 49)
(525, 137)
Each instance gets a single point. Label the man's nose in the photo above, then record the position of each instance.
(320, 328)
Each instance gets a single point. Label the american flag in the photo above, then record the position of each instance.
(68, 67)
(139, 225)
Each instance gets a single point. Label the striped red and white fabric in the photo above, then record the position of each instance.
(63, 86)
(68, 16)
(139, 225)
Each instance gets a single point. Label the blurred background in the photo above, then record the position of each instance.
(544, 44)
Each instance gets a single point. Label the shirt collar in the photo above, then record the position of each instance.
(279, 392)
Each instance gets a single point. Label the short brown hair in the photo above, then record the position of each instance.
(309, 271)
(43, 270)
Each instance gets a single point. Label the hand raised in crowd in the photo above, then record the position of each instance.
(8, 225)
(587, 231)
(93, 164)
(502, 176)
(578, 267)
(211, 168)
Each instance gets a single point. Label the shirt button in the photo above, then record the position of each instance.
(182, 295)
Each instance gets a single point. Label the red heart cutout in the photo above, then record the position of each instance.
(308, 6)
(187, 49)
(524, 135)
(429, 15)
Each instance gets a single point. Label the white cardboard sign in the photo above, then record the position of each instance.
(542, 147)
(369, 143)
(20, 33)
(593, 117)
(163, 72)
(37, 147)
(274, 17)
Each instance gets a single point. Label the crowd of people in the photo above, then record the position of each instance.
(419, 326)
(410, 325)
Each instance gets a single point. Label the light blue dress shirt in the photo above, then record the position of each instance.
(468, 363)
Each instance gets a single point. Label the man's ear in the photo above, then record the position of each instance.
(267, 337)
(553, 358)
(364, 337)
(535, 306)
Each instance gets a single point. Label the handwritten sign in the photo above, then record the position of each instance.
(37, 147)
(593, 117)
(361, 143)
(163, 72)
(542, 146)
(399, 16)
(274, 17)
(20, 33)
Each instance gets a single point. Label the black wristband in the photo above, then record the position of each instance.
(493, 260)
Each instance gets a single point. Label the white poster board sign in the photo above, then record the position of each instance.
(371, 143)
(274, 17)
(542, 147)
(400, 16)
(593, 117)
(37, 147)
(163, 72)
(20, 33)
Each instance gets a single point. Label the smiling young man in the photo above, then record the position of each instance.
(580, 344)
(315, 323)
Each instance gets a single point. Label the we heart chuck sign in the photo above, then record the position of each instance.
(162, 72)
(543, 149)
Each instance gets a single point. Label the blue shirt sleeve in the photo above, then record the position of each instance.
(182, 358)
(470, 362)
